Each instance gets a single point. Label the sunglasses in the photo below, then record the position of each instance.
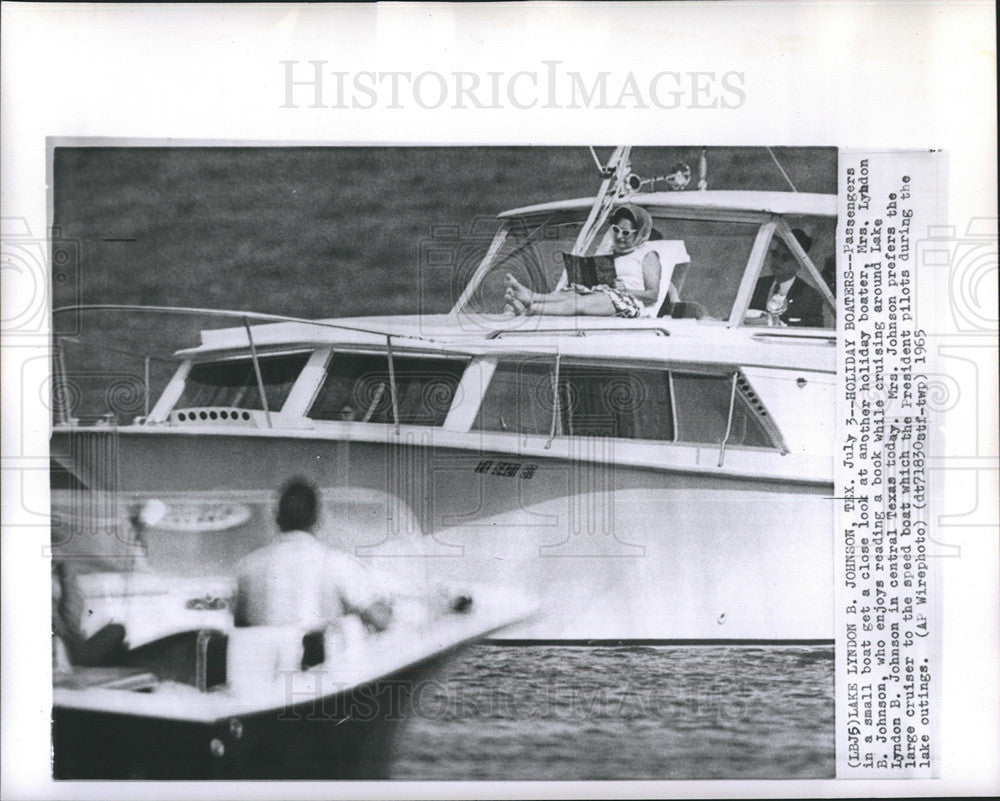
(619, 231)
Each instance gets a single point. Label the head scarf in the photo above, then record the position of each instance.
(640, 219)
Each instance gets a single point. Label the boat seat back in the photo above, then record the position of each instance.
(151, 606)
(680, 275)
(683, 310)
(672, 253)
(197, 658)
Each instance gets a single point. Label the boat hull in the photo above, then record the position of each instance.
(612, 551)
(348, 735)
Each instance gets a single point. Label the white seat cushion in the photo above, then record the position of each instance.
(671, 252)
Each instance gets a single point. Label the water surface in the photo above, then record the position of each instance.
(637, 712)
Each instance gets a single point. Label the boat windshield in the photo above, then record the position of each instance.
(532, 250)
(234, 382)
(719, 252)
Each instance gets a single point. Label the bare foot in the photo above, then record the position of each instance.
(519, 290)
(519, 308)
(512, 304)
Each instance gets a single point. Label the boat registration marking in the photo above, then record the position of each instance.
(506, 469)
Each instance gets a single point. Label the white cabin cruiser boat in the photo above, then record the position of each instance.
(658, 479)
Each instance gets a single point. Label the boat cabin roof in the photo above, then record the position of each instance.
(711, 200)
(595, 338)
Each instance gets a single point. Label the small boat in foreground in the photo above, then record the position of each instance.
(224, 702)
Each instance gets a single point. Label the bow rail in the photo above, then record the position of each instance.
(244, 317)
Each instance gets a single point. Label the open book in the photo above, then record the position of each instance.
(590, 271)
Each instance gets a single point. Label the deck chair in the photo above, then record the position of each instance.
(673, 257)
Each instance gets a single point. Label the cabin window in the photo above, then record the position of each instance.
(593, 401)
(357, 388)
(612, 402)
(702, 403)
(822, 233)
(234, 382)
(624, 403)
(518, 399)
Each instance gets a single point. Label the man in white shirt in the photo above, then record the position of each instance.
(298, 580)
(792, 299)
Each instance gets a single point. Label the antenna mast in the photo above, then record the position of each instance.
(615, 173)
(785, 174)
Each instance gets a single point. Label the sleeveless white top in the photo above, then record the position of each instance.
(628, 267)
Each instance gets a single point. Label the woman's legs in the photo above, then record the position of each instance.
(564, 303)
(573, 304)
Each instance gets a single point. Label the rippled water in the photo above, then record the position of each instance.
(640, 712)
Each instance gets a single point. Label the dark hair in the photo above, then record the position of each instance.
(624, 212)
(298, 506)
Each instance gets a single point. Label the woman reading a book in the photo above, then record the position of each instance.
(636, 288)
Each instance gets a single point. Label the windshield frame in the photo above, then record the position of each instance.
(770, 225)
(777, 227)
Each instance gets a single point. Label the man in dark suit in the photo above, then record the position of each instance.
(794, 301)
